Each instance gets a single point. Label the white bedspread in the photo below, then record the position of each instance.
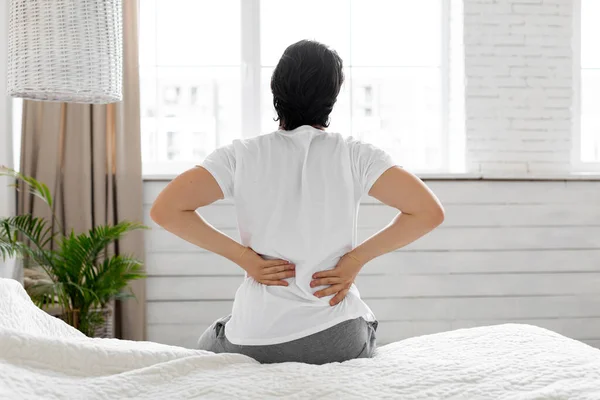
(43, 358)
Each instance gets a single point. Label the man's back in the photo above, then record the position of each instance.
(296, 194)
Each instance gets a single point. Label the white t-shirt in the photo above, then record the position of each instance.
(297, 195)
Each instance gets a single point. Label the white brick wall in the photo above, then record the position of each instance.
(519, 80)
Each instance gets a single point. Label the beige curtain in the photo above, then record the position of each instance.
(90, 158)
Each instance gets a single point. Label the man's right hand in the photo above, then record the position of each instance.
(267, 272)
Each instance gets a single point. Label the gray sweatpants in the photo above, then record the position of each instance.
(350, 339)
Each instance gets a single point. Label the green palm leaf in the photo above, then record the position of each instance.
(102, 236)
(113, 275)
(80, 254)
(73, 253)
(9, 248)
(35, 229)
(36, 187)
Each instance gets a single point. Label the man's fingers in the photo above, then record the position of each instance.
(273, 283)
(329, 291)
(338, 297)
(325, 274)
(279, 275)
(273, 263)
(278, 268)
(325, 281)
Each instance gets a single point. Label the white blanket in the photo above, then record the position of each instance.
(43, 358)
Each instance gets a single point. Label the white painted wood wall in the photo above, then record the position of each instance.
(509, 251)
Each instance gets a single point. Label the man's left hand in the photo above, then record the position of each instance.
(339, 279)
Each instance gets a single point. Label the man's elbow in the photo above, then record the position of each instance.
(159, 214)
(436, 216)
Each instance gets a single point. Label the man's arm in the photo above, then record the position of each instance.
(175, 210)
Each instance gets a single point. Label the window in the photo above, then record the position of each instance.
(205, 69)
(190, 62)
(589, 124)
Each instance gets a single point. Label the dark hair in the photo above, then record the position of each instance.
(305, 84)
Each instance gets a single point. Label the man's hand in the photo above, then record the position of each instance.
(340, 279)
(267, 272)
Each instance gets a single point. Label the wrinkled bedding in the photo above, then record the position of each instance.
(43, 358)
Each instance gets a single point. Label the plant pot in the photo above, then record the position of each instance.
(105, 330)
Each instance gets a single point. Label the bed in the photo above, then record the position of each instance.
(43, 358)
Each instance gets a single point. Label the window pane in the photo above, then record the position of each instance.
(147, 32)
(340, 120)
(590, 118)
(341, 116)
(196, 111)
(198, 32)
(396, 32)
(398, 109)
(267, 111)
(284, 22)
(148, 114)
(590, 32)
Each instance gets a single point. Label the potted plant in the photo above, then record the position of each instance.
(75, 274)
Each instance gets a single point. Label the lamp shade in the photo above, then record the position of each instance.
(65, 50)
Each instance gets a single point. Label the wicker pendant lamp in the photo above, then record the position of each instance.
(65, 50)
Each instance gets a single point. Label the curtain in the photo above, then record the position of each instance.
(90, 158)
